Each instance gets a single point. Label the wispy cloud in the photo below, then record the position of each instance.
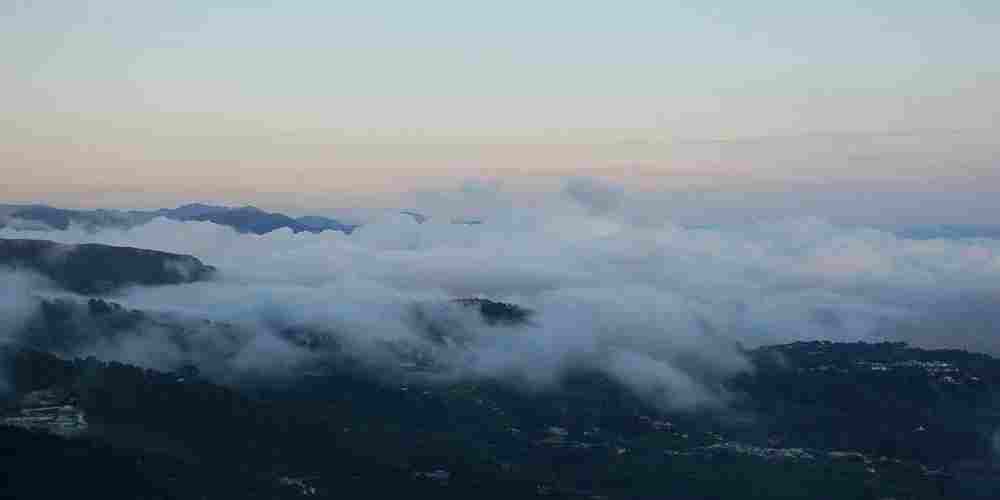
(659, 306)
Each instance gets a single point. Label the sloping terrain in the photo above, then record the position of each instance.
(95, 268)
(808, 420)
(344, 428)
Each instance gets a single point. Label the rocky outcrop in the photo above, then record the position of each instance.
(494, 312)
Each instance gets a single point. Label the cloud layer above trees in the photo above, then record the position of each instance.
(661, 307)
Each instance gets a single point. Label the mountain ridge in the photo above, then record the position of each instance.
(245, 219)
(93, 268)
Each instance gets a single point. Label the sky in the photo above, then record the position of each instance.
(593, 137)
(325, 104)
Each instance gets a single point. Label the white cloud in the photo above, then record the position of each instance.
(658, 306)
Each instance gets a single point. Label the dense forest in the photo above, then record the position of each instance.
(807, 420)
(340, 432)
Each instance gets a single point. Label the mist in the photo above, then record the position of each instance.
(614, 287)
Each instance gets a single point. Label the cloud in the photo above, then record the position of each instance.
(599, 198)
(17, 302)
(660, 307)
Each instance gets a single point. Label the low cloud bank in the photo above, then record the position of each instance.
(660, 307)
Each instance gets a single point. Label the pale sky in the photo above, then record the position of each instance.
(146, 102)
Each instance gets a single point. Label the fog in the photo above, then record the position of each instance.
(615, 287)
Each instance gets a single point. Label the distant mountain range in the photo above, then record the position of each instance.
(254, 220)
(246, 219)
(948, 231)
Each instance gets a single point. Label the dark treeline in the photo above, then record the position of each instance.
(349, 434)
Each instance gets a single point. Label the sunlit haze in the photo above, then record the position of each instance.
(831, 109)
